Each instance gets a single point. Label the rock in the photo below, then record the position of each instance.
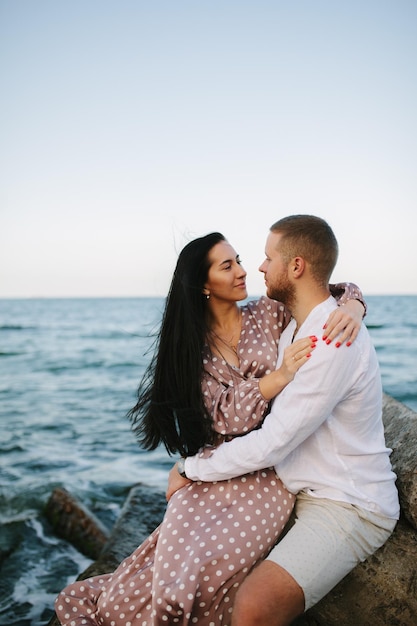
(401, 435)
(72, 521)
(141, 514)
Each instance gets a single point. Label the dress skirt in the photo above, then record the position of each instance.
(189, 569)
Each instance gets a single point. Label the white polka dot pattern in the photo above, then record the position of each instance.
(189, 569)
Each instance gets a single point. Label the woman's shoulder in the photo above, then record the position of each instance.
(266, 311)
(263, 304)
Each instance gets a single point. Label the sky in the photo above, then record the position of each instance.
(128, 128)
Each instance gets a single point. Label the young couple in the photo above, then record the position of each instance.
(257, 436)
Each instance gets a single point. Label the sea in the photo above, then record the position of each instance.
(69, 371)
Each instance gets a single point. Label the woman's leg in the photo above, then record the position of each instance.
(190, 568)
(212, 535)
(120, 597)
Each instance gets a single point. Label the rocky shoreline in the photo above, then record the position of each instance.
(382, 591)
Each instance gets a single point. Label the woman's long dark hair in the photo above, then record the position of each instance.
(170, 407)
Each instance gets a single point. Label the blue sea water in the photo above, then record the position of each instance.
(69, 370)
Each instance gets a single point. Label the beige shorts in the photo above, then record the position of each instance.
(328, 539)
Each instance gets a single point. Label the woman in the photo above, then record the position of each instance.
(212, 377)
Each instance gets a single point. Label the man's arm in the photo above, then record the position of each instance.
(296, 413)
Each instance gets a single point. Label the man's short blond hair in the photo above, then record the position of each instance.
(311, 238)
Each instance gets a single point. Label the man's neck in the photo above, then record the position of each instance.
(305, 302)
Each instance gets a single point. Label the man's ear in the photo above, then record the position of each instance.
(298, 266)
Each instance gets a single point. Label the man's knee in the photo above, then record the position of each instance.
(268, 597)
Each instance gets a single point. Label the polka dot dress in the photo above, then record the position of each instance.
(212, 535)
(189, 569)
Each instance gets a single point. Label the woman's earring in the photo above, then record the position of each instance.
(208, 296)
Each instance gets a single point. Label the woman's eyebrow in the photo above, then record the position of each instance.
(227, 261)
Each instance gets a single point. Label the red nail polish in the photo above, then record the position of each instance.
(313, 337)
(338, 344)
(349, 343)
(324, 337)
(328, 341)
(308, 356)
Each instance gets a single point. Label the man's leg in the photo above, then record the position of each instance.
(280, 598)
(326, 542)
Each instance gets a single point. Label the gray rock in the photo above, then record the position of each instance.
(141, 514)
(401, 435)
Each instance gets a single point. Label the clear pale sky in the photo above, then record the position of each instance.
(128, 127)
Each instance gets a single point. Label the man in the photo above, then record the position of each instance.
(324, 436)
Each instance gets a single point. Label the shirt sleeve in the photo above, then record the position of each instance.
(295, 414)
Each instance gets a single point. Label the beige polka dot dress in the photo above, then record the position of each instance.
(212, 534)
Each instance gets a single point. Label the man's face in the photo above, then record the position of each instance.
(275, 270)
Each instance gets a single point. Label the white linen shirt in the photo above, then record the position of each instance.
(324, 434)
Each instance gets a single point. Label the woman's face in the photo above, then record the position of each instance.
(226, 278)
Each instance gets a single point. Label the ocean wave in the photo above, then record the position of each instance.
(11, 327)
